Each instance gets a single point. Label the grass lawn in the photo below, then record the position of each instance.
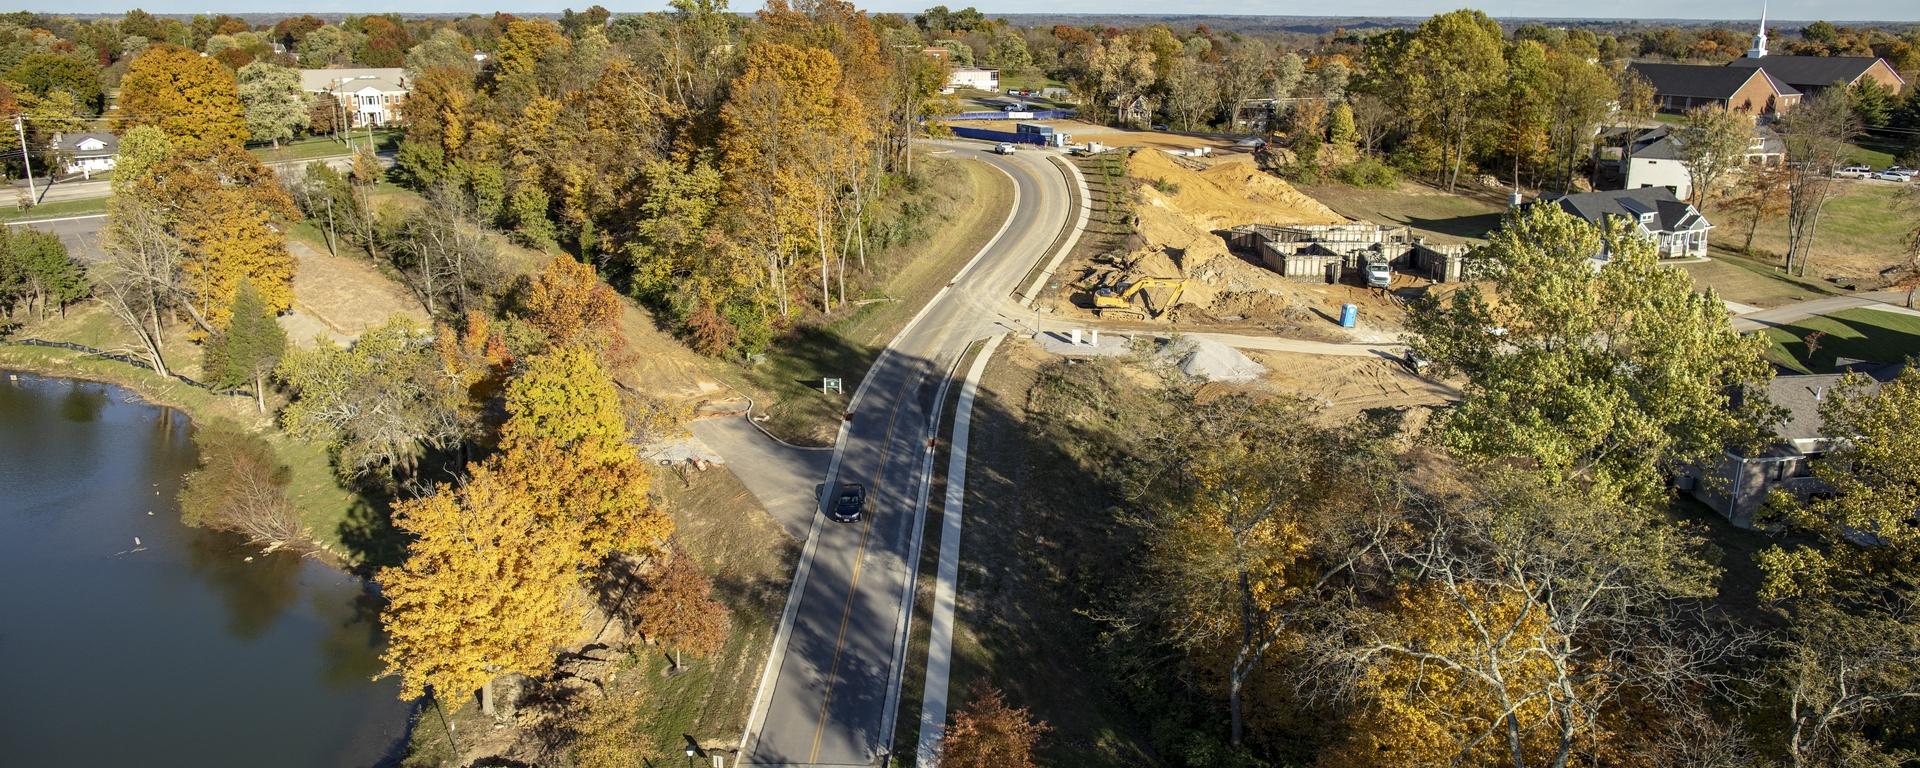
(323, 146)
(56, 210)
(1861, 334)
(1747, 281)
(1445, 217)
(1860, 231)
(966, 204)
(1871, 156)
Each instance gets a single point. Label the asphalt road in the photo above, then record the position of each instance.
(827, 702)
(81, 234)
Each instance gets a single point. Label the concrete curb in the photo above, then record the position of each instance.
(933, 698)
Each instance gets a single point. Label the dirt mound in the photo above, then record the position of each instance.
(1229, 192)
(1213, 361)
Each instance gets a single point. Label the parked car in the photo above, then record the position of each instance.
(1853, 172)
(1003, 148)
(1893, 175)
(1379, 274)
(849, 503)
(1014, 107)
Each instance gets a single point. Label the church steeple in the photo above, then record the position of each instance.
(1759, 48)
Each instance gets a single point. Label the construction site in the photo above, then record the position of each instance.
(1213, 242)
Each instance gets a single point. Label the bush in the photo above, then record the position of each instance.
(1166, 186)
(1369, 173)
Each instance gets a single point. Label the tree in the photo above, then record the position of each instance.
(485, 589)
(445, 49)
(240, 486)
(249, 349)
(989, 733)
(378, 404)
(323, 47)
(570, 304)
(1190, 93)
(1340, 128)
(1712, 143)
(190, 97)
(444, 256)
(675, 607)
(1614, 378)
(1872, 103)
(1816, 134)
(142, 149)
(43, 74)
(1455, 65)
(140, 279)
(35, 268)
(276, 108)
(1763, 195)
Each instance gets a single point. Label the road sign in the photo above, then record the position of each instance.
(830, 385)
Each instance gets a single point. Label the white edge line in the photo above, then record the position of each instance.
(903, 626)
(756, 718)
(933, 696)
(1073, 238)
(53, 221)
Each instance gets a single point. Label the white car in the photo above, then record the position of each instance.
(1003, 148)
(1853, 172)
(1895, 174)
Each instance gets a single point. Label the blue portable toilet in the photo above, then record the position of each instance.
(1349, 314)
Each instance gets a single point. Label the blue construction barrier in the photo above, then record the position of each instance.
(1007, 136)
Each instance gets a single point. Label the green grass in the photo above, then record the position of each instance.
(1747, 281)
(56, 210)
(1860, 231)
(1861, 334)
(324, 146)
(1870, 156)
(1444, 217)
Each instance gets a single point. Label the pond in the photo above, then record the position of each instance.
(127, 638)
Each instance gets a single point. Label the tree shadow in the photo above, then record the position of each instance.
(1859, 340)
(369, 534)
(1476, 226)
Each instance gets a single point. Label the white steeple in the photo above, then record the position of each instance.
(1759, 48)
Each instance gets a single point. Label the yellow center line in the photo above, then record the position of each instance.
(859, 563)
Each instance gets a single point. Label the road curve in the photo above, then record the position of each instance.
(825, 696)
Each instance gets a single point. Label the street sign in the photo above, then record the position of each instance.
(830, 385)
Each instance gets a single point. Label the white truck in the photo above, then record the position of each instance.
(1379, 274)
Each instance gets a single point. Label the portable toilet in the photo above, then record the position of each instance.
(1349, 315)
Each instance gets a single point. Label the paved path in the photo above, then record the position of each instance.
(782, 477)
(1787, 314)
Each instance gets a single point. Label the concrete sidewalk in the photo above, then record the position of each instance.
(1788, 314)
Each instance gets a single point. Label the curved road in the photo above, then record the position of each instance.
(825, 699)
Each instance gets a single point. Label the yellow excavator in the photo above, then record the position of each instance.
(1117, 300)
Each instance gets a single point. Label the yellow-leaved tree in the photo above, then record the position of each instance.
(486, 589)
(192, 97)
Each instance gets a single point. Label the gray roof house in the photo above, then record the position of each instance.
(86, 153)
(1676, 228)
(1682, 87)
(1656, 159)
(1738, 485)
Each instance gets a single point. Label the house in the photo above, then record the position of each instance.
(1132, 110)
(85, 153)
(1676, 228)
(1738, 484)
(369, 96)
(1656, 159)
(1682, 87)
(1810, 74)
(972, 77)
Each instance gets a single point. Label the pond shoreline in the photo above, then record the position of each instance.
(199, 405)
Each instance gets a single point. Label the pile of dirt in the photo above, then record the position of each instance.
(1182, 206)
(1213, 361)
(1343, 387)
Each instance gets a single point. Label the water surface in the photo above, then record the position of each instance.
(172, 650)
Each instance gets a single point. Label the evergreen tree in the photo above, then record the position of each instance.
(249, 349)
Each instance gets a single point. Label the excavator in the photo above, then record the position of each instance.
(1117, 300)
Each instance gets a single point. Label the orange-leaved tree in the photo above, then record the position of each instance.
(989, 733)
(675, 607)
(192, 97)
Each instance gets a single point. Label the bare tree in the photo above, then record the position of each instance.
(1373, 119)
(141, 276)
(1711, 143)
(443, 255)
(1842, 666)
(1816, 132)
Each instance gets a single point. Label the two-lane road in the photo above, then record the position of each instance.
(824, 700)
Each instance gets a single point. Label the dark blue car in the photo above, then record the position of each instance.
(848, 503)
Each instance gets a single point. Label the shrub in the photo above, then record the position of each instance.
(1166, 186)
(1369, 173)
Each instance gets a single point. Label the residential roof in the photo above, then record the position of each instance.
(70, 143)
(1701, 80)
(1801, 396)
(1661, 144)
(1670, 214)
(1810, 71)
(349, 80)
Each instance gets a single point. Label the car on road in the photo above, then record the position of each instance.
(1853, 172)
(1013, 107)
(849, 503)
(1003, 148)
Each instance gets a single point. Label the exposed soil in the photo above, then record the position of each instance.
(339, 297)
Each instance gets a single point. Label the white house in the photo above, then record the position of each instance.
(1654, 160)
(86, 153)
(368, 96)
(972, 77)
(1677, 229)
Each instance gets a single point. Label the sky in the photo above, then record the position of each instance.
(1838, 10)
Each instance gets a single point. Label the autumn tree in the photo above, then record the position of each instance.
(675, 607)
(240, 486)
(486, 589)
(1613, 377)
(276, 108)
(190, 97)
(990, 733)
(1712, 143)
(444, 256)
(1762, 196)
(1454, 65)
(569, 303)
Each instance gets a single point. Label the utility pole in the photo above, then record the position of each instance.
(25, 157)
